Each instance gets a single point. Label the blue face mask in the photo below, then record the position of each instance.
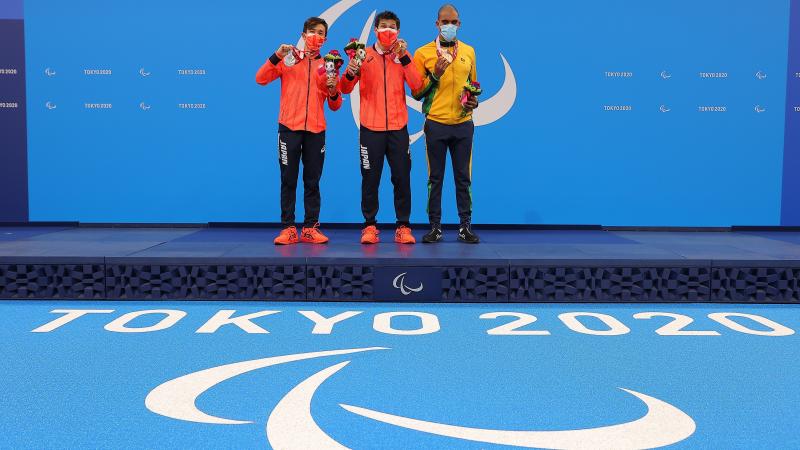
(449, 32)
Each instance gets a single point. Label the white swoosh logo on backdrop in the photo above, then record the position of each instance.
(331, 15)
(355, 96)
(494, 108)
(500, 104)
(490, 110)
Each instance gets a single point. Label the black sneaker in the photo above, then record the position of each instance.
(465, 234)
(435, 235)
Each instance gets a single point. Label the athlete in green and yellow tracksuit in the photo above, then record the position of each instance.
(446, 66)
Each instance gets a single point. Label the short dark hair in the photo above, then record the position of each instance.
(311, 22)
(387, 15)
(447, 6)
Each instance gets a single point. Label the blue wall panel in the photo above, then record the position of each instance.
(624, 113)
(13, 137)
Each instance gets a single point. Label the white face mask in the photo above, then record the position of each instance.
(448, 32)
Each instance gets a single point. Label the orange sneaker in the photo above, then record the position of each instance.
(369, 235)
(312, 235)
(403, 235)
(288, 236)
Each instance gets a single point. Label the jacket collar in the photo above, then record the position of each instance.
(303, 56)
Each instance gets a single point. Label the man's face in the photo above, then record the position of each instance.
(386, 23)
(318, 29)
(448, 16)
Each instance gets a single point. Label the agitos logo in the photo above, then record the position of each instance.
(399, 282)
(291, 426)
(492, 109)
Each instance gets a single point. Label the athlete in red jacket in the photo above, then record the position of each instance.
(384, 119)
(301, 126)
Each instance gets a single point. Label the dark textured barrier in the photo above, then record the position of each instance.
(610, 284)
(56, 281)
(756, 284)
(213, 282)
(568, 281)
(340, 282)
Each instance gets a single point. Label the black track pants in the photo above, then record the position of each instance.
(293, 147)
(458, 139)
(394, 146)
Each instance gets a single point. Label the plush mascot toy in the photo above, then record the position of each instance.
(356, 50)
(333, 62)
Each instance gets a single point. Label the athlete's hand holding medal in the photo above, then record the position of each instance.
(399, 48)
(445, 58)
(284, 50)
(291, 54)
(441, 65)
(288, 53)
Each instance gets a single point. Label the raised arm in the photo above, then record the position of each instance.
(273, 68)
(428, 80)
(270, 71)
(351, 76)
(410, 73)
(348, 82)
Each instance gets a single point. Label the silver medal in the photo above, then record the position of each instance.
(289, 60)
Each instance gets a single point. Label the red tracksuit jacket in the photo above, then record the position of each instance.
(303, 92)
(382, 89)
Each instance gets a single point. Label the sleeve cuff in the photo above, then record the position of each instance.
(275, 59)
(349, 77)
(405, 60)
(334, 97)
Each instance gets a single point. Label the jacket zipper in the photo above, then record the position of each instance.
(308, 92)
(385, 99)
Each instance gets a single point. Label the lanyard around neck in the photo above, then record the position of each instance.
(444, 52)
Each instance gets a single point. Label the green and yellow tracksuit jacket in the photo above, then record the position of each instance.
(441, 99)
